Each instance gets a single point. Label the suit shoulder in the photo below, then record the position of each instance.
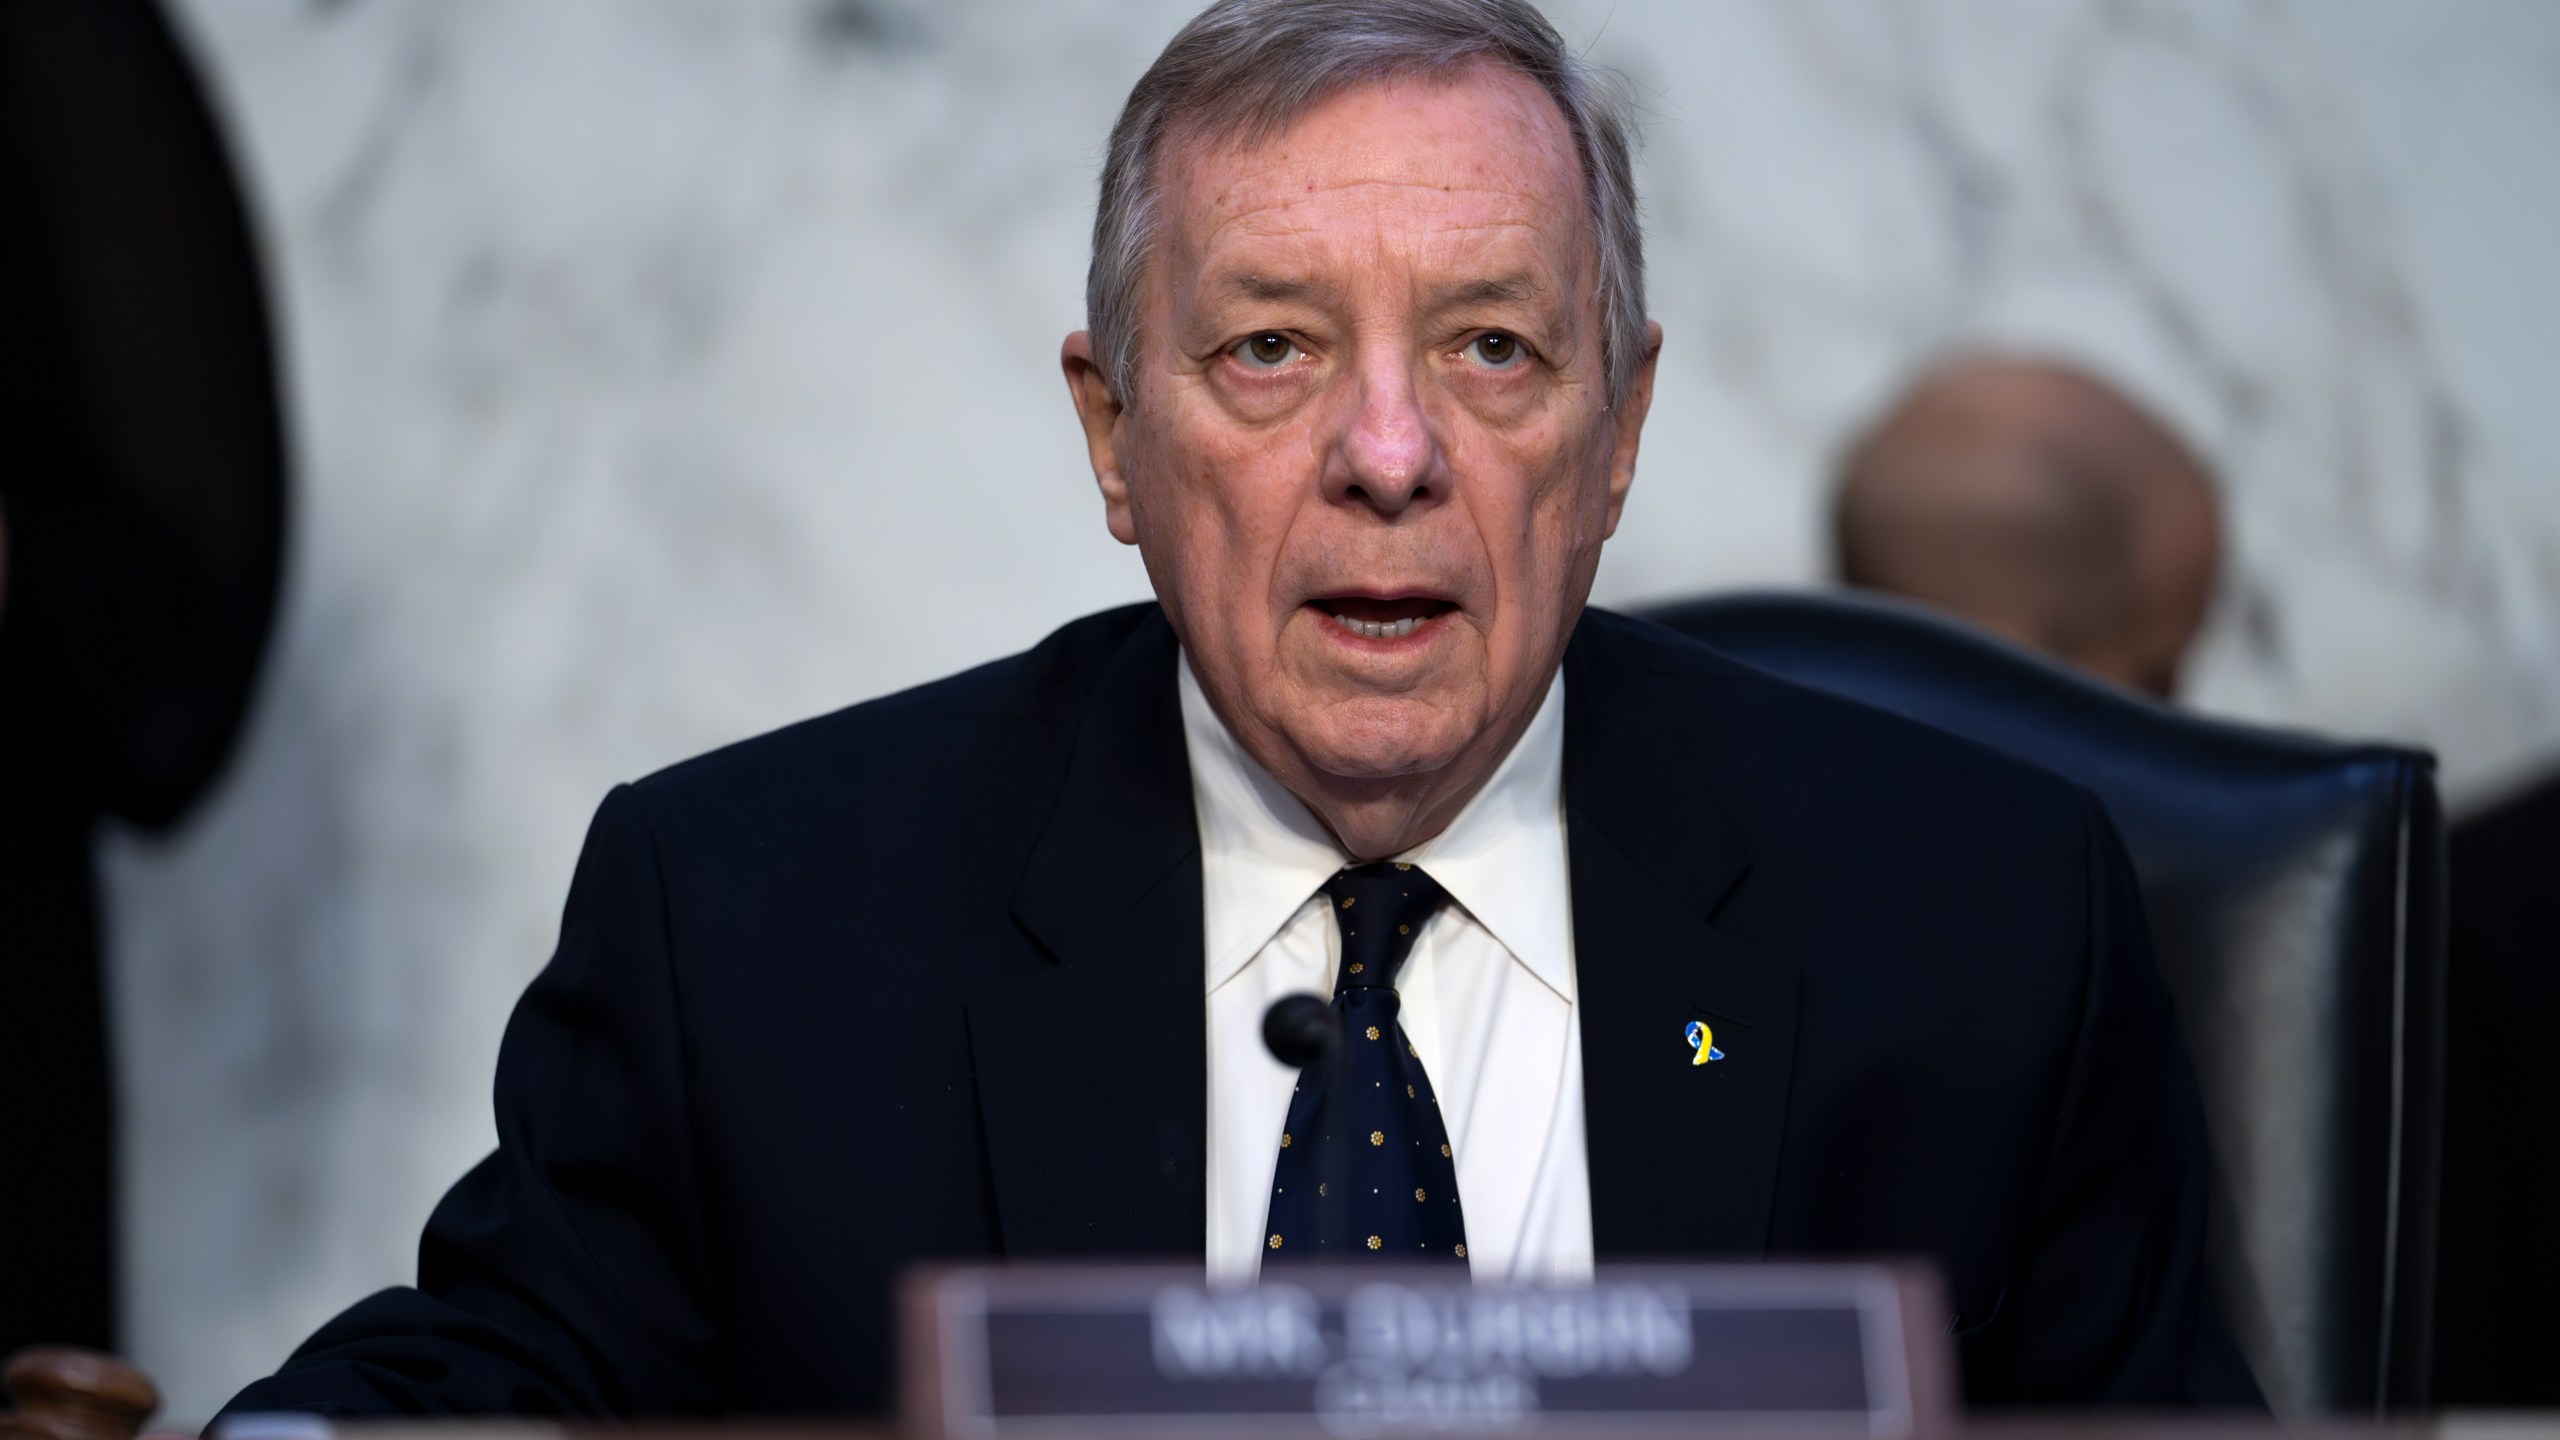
(997, 707)
(1754, 723)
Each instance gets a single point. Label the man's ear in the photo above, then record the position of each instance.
(1100, 412)
(1629, 420)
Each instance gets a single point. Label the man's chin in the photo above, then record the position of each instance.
(1381, 741)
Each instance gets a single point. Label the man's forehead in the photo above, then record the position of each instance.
(1483, 147)
(1483, 126)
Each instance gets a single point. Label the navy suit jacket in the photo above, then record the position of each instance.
(923, 979)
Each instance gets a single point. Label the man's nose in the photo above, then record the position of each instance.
(1389, 456)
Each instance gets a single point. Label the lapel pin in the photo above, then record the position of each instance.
(1702, 1039)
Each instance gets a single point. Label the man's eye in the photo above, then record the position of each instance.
(1267, 351)
(1495, 350)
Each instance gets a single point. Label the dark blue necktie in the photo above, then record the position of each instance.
(1365, 1165)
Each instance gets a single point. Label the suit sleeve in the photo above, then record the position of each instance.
(2113, 1305)
(567, 1274)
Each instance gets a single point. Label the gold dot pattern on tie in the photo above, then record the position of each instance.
(1380, 912)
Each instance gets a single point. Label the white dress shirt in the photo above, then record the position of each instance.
(1488, 995)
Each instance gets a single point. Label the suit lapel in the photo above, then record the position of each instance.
(1684, 1157)
(1092, 1063)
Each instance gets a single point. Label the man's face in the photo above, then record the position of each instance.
(1370, 461)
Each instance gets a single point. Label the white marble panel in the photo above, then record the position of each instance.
(665, 370)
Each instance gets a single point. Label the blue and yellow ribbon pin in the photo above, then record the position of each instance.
(1703, 1040)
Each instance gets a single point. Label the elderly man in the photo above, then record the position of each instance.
(1640, 953)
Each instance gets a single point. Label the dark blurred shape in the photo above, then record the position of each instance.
(2041, 503)
(2499, 1287)
(2037, 502)
(851, 26)
(2295, 889)
(142, 490)
(1301, 1030)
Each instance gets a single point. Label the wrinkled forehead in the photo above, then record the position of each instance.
(1481, 150)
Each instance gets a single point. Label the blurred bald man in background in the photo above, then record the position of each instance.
(2043, 504)
(2039, 502)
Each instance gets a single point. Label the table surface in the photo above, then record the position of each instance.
(2457, 1426)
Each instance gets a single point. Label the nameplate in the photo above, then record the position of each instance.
(1356, 1353)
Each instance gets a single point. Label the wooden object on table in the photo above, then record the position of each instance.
(62, 1394)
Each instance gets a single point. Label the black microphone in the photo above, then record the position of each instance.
(1305, 1031)
(1302, 1031)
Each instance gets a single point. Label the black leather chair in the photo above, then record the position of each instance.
(2295, 888)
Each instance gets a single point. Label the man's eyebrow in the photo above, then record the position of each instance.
(1519, 288)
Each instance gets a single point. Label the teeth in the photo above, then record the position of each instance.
(1381, 629)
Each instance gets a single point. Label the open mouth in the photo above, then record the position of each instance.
(1375, 618)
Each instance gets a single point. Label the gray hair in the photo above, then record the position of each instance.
(1244, 69)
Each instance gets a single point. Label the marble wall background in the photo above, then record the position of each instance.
(662, 372)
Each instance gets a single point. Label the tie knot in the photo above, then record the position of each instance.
(1380, 909)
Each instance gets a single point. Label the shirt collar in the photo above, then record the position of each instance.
(1262, 853)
